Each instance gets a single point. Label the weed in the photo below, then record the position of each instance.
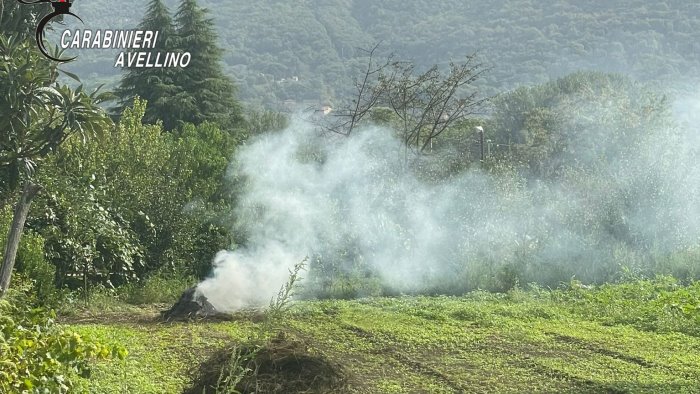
(241, 362)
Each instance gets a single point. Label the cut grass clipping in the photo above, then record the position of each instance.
(282, 365)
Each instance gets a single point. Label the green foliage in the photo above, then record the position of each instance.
(134, 201)
(198, 93)
(261, 121)
(281, 302)
(155, 85)
(91, 235)
(36, 113)
(577, 122)
(160, 288)
(87, 241)
(130, 172)
(40, 356)
(200, 158)
(206, 93)
(661, 304)
(19, 20)
(31, 261)
(526, 42)
(201, 155)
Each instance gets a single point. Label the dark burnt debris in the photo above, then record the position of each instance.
(191, 305)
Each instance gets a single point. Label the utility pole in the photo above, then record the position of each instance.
(480, 130)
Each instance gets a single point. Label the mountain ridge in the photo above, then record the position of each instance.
(308, 50)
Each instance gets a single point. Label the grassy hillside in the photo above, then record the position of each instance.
(638, 338)
(268, 43)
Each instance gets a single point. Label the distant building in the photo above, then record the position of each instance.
(291, 105)
(285, 80)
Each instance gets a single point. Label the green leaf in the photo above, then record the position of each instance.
(70, 75)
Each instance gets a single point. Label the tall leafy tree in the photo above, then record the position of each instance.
(207, 94)
(155, 85)
(164, 215)
(36, 115)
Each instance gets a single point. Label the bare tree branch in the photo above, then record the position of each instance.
(424, 104)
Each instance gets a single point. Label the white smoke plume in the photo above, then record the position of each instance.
(351, 205)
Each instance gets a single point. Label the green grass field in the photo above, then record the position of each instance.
(638, 338)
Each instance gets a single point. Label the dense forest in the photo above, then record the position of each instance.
(306, 51)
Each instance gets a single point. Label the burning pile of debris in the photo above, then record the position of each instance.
(191, 305)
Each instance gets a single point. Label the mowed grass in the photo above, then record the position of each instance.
(161, 357)
(602, 340)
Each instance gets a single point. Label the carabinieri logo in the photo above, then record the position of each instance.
(60, 7)
(138, 47)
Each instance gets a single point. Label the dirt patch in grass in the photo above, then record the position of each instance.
(282, 365)
(599, 349)
(130, 317)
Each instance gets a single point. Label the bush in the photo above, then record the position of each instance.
(40, 356)
(31, 261)
(158, 289)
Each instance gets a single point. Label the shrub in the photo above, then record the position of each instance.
(158, 289)
(31, 260)
(39, 355)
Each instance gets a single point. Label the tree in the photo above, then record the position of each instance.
(155, 85)
(429, 103)
(579, 120)
(137, 200)
(83, 234)
(132, 175)
(371, 87)
(37, 114)
(205, 94)
(262, 121)
(422, 105)
(610, 146)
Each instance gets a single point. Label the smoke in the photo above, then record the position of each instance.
(363, 215)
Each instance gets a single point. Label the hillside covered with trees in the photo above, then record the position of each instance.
(307, 50)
